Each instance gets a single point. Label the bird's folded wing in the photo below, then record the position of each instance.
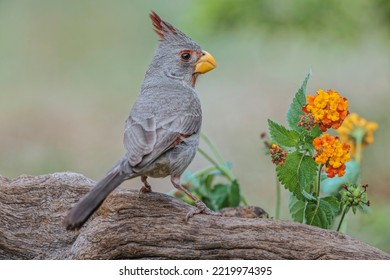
(146, 139)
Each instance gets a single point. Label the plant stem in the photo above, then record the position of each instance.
(220, 167)
(203, 171)
(319, 182)
(317, 196)
(359, 139)
(278, 199)
(345, 211)
(213, 148)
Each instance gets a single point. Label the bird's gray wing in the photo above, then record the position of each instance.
(146, 139)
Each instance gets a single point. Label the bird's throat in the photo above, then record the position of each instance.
(194, 79)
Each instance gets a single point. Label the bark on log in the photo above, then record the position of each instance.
(149, 227)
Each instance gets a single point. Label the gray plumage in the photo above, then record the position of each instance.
(162, 131)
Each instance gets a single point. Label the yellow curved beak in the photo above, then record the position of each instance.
(205, 63)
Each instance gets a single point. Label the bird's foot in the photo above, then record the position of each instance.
(146, 187)
(201, 209)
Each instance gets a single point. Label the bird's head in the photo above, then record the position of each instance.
(178, 56)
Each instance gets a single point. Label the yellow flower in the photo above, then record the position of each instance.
(355, 130)
(332, 153)
(328, 108)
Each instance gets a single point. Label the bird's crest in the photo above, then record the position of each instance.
(166, 31)
(162, 28)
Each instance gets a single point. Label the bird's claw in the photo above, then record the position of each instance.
(144, 189)
(201, 209)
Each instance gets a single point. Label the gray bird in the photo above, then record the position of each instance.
(162, 131)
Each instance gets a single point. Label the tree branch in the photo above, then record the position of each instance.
(149, 227)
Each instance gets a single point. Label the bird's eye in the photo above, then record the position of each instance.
(186, 56)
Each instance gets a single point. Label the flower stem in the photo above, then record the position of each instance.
(202, 171)
(213, 148)
(358, 135)
(219, 163)
(278, 199)
(220, 167)
(319, 182)
(359, 140)
(345, 211)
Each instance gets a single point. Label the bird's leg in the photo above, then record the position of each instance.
(146, 187)
(201, 207)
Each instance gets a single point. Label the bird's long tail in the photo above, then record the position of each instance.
(80, 213)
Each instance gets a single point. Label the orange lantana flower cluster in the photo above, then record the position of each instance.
(328, 108)
(332, 154)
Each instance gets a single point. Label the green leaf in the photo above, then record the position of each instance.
(295, 109)
(218, 196)
(225, 195)
(315, 131)
(199, 185)
(297, 208)
(322, 214)
(208, 182)
(234, 194)
(297, 174)
(281, 135)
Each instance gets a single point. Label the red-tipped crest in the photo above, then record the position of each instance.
(161, 27)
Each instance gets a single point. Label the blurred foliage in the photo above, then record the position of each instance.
(341, 19)
(383, 9)
(215, 185)
(215, 195)
(373, 228)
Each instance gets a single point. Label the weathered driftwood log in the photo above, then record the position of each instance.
(149, 227)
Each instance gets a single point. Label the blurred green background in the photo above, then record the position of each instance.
(70, 71)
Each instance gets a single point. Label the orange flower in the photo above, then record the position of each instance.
(328, 108)
(331, 153)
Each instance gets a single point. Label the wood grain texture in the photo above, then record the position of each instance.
(152, 226)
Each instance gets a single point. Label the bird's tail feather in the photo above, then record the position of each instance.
(80, 213)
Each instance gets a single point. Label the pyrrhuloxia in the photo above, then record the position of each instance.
(162, 131)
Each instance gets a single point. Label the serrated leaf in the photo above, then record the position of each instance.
(298, 102)
(281, 135)
(322, 214)
(297, 173)
(297, 208)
